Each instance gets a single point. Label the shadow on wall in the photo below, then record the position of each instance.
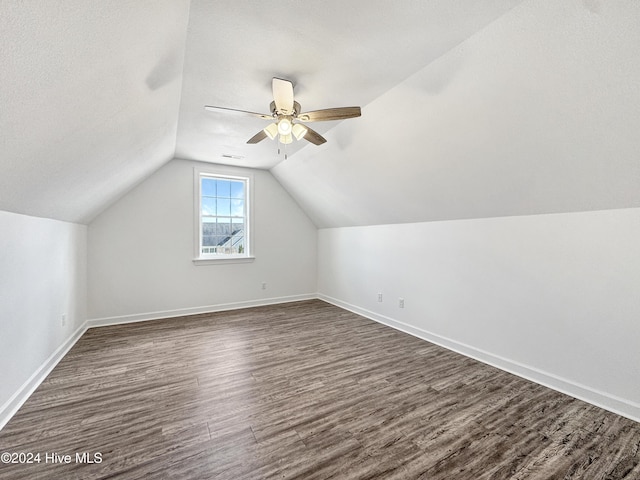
(166, 70)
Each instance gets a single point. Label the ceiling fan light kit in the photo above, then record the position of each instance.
(286, 139)
(271, 130)
(284, 110)
(284, 126)
(299, 131)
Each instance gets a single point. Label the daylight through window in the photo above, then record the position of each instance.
(223, 216)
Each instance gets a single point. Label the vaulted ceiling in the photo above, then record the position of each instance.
(470, 108)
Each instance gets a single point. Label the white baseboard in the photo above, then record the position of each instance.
(181, 312)
(14, 403)
(612, 403)
(603, 400)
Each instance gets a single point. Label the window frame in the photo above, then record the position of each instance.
(217, 258)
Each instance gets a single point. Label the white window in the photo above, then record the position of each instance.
(223, 217)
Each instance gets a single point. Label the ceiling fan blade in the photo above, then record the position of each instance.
(314, 137)
(283, 95)
(339, 113)
(258, 137)
(211, 108)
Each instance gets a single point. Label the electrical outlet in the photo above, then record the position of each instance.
(401, 302)
(64, 319)
(379, 297)
(264, 285)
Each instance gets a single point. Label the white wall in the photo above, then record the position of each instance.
(42, 277)
(141, 251)
(554, 297)
(536, 113)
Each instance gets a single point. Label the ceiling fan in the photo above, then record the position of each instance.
(286, 116)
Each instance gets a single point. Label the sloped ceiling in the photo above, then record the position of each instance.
(470, 108)
(89, 94)
(336, 52)
(537, 113)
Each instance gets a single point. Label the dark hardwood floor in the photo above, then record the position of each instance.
(307, 391)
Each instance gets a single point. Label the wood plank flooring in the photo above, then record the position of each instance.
(302, 391)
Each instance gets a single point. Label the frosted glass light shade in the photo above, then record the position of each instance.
(286, 139)
(284, 127)
(271, 130)
(299, 131)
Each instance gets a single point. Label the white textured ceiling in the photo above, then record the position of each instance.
(470, 108)
(336, 52)
(89, 98)
(91, 92)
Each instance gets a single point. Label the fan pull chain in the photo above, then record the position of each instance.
(282, 149)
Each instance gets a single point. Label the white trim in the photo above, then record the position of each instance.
(612, 403)
(143, 317)
(609, 402)
(214, 171)
(16, 401)
(225, 259)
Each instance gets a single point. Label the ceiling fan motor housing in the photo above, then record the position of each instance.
(276, 113)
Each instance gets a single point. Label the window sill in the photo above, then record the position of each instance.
(218, 261)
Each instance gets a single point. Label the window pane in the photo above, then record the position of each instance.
(237, 189)
(223, 188)
(224, 226)
(238, 225)
(208, 240)
(224, 207)
(208, 229)
(208, 206)
(209, 187)
(237, 208)
(222, 214)
(238, 244)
